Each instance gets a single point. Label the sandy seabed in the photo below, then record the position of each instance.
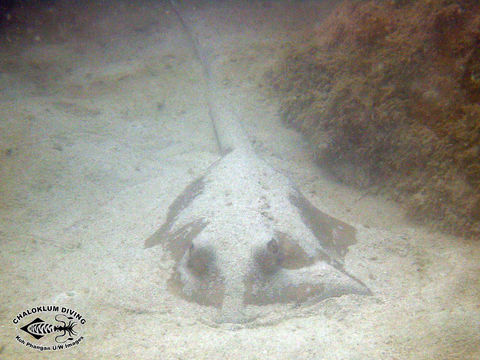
(104, 122)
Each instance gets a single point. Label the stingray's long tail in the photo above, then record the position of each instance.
(228, 132)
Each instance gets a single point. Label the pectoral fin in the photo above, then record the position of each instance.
(185, 199)
(333, 234)
(313, 283)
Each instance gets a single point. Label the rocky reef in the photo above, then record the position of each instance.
(388, 92)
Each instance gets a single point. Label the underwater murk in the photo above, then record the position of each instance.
(239, 179)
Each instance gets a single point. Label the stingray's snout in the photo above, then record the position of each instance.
(232, 311)
(233, 306)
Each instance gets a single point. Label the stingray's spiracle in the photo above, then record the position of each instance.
(65, 328)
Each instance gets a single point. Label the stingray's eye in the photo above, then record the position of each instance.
(273, 247)
(270, 257)
(200, 259)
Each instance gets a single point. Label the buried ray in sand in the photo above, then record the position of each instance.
(242, 234)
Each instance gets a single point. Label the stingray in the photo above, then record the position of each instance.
(243, 234)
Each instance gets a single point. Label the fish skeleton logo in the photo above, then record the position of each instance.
(52, 328)
(39, 328)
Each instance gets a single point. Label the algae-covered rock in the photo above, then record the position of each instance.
(389, 94)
